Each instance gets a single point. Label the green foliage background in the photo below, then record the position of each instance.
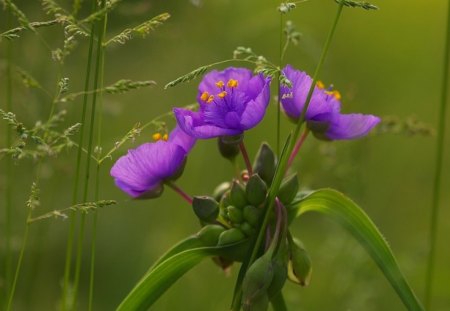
(386, 62)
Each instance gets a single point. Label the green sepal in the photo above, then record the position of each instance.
(288, 189)
(256, 190)
(299, 269)
(228, 150)
(206, 208)
(265, 163)
(280, 273)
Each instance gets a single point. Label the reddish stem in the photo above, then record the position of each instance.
(178, 190)
(246, 158)
(297, 147)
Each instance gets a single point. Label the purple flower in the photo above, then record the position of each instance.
(323, 116)
(142, 172)
(231, 102)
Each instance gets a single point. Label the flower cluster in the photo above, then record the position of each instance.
(230, 102)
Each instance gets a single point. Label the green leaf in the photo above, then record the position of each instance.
(344, 211)
(169, 268)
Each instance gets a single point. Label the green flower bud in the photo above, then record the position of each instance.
(288, 189)
(260, 303)
(230, 236)
(235, 214)
(299, 269)
(265, 163)
(256, 190)
(252, 214)
(220, 190)
(256, 282)
(280, 262)
(206, 208)
(228, 150)
(247, 229)
(237, 195)
(209, 234)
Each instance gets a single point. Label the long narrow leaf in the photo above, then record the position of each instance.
(167, 272)
(344, 211)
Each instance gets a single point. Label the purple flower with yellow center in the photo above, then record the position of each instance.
(231, 102)
(142, 172)
(323, 116)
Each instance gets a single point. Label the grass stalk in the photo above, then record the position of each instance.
(281, 169)
(279, 87)
(98, 61)
(438, 168)
(70, 238)
(97, 172)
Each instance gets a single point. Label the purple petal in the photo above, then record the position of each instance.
(255, 109)
(180, 138)
(350, 126)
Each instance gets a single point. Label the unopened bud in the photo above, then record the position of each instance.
(265, 163)
(247, 229)
(256, 282)
(234, 214)
(209, 234)
(238, 196)
(252, 214)
(288, 189)
(220, 190)
(230, 236)
(256, 190)
(206, 208)
(299, 269)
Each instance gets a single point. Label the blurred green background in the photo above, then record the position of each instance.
(387, 62)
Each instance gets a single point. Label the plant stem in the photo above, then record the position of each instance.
(97, 173)
(8, 164)
(279, 87)
(178, 190)
(438, 168)
(297, 147)
(88, 157)
(278, 303)
(244, 153)
(68, 261)
(281, 169)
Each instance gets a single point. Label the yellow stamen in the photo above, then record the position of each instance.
(156, 136)
(220, 84)
(320, 85)
(165, 137)
(335, 94)
(222, 94)
(210, 99)
(204, 96)
(232, 83)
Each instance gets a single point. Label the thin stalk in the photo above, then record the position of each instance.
(244, 153)
(279, 87)
(19, 263)
(8, 164)
(180, 191)
(97, 172)
(88, 159)
(281, 169)
(438, 168)
(68, 261)
(297, 147)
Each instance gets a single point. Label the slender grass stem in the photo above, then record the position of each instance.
(88, 157)
(180, 191)
(297, 147)
(69, 247)
(97, 172)
(282, 166)
(279, 87)
(244, 153)
(438, 169)
(8, 165)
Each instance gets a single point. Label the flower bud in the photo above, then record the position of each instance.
(256, 190)
(247, 229)
(206, 208)
(265, 163)
(252, 214)
(299, 269)
(220, 190)
(288, 189)
(230, 236)
(209, 234)
(228, 150)
(279, 262)
(235, 214)
(256, 282)
(237, 195)
(260, 303)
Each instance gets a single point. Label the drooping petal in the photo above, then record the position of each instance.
(256, 109)
(350, 126)
(180, 138)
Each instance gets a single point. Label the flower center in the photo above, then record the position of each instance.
(157, 136)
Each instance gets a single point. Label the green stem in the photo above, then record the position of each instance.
(279, 87)
(438, 168)
(281, 169)
(8, 164)
(97, 173)
(88, 157)
(278, 303)
(68, 261)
